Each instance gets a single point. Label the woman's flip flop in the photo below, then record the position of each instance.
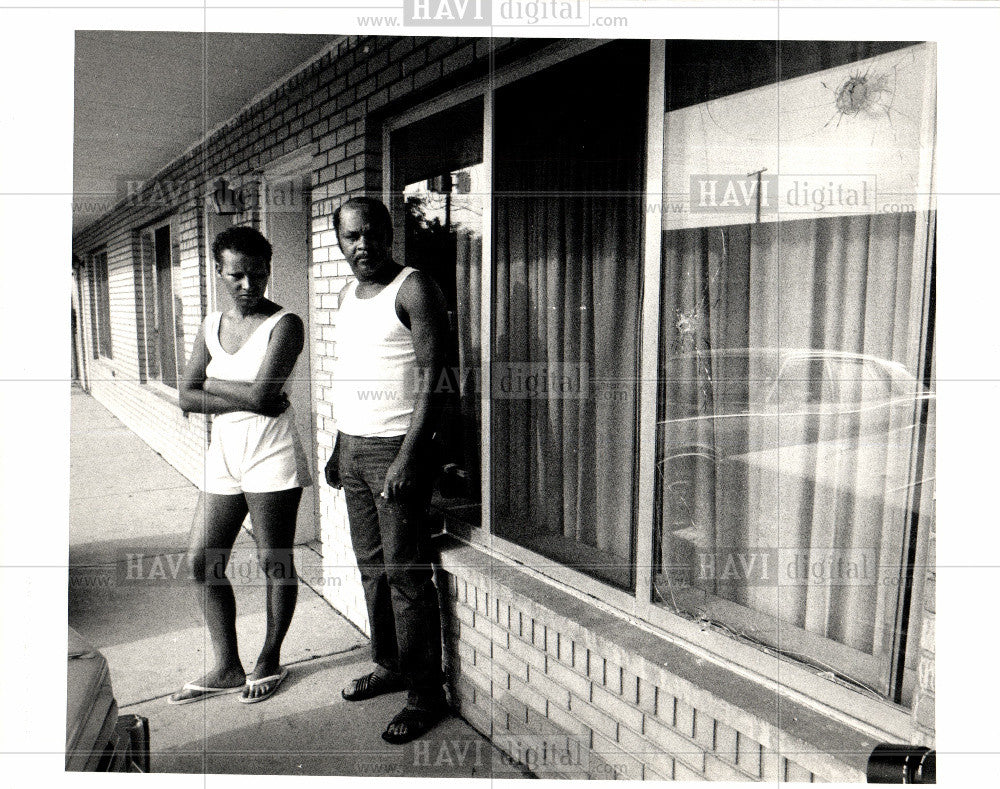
(200, 693)
(253, 683)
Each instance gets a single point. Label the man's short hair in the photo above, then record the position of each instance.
(374, 209)
(245, 240)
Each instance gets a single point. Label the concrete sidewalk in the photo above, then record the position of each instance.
(130, 513)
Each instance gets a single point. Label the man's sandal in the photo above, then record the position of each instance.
(371, 685)
(415, 722)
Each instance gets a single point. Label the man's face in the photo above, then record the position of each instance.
(365, 243)
(245, 278)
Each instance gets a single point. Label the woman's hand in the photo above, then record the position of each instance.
(201, 394)
(275, 406)
(244, 397)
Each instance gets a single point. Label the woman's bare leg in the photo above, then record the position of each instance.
(273, 518)
(216, 525)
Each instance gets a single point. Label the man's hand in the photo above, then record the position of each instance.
(400, 479)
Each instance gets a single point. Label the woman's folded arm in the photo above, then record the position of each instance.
(201, 394)
(192, 395)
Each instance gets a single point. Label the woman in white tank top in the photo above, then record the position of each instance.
(255, 463)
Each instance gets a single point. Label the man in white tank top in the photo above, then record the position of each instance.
(390, 345)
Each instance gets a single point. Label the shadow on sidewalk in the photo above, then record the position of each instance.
(307, 729)
(130, 513)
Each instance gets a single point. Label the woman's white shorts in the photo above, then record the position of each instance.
(251, 453)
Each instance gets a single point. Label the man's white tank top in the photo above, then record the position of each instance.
(375, 374)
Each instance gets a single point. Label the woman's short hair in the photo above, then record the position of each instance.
(245, 240)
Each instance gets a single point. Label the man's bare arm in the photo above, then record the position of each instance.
(423, 304)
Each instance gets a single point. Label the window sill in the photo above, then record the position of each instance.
(458, 513)
(823, 738)
(163, 392)
(107, 364)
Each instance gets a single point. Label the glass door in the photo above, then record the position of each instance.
(437, 199)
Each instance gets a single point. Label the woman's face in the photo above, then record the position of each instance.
(244, 278)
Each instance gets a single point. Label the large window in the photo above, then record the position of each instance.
(794, 338)
(163, 345)
(567, 202)
(709, 274)
(100, 300)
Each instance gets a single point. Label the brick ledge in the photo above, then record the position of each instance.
(823, 745)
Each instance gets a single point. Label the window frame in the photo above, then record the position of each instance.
(796, 640)
(151, 322)
(872, 714)
(485, 87)
(100, 301)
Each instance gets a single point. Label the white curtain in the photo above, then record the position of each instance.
(788, 398)
(468, 316)
(568, 214)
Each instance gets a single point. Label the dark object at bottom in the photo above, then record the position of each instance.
(128, 749)
(136, 729)
(902, 764)
(97, 737)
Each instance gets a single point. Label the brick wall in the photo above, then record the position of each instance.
(117, 382)
(367, 80)
(525, 660)
(120, 383)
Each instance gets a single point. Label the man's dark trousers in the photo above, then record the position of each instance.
(391, 542)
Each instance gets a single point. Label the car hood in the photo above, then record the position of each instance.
(89, 698)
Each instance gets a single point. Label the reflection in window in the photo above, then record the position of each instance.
(438, 187)
(801, 383)
(444, 220)
(788, 520)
